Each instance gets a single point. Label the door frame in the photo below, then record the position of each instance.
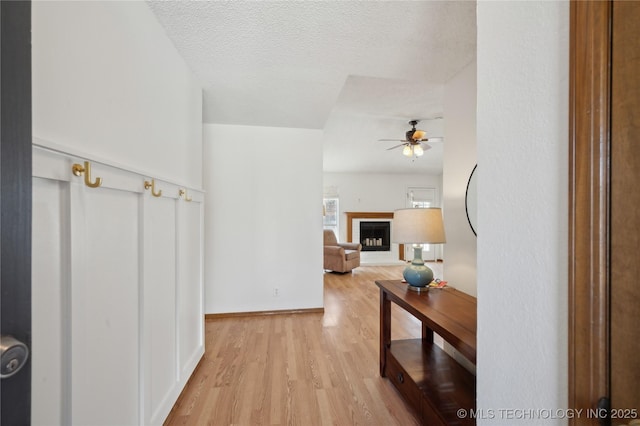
(589, 199)
(15, 165)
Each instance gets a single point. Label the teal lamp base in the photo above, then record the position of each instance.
(417, 274)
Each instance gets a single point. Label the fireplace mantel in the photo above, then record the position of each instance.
(363, 215)
(369, 215)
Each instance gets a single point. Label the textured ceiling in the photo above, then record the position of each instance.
(360, 70)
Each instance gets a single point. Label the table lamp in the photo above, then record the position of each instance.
(417, 227)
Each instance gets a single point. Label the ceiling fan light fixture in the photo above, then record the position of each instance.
(418, 134)
(414, 141)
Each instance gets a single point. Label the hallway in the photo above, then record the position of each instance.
(307, 368)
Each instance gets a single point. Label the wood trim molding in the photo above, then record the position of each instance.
(589, 126)
(363, 215)
(370, 215)
(208, 317)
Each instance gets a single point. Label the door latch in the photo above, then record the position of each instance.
(13, 356)
(604, 411)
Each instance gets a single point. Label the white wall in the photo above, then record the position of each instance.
(523, 51)
(458, 162)
(364, 192)
(263, 218)
(108, 82)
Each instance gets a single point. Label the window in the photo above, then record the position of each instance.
(330, 214)
(420, 204)
(421, 197)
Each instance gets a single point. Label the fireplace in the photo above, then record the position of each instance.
(375, 236)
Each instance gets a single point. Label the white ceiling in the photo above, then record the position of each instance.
(360, 70)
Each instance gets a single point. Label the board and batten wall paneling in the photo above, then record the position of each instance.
(104, 305)
(159, 299)
(109, 86)
(113, 311)
(191, 289)
(50, 351)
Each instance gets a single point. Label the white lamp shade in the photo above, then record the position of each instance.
(407, 151)
(418, 226)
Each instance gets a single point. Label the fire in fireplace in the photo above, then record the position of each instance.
(375, 236)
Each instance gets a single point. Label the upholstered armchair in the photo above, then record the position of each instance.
(340, 257)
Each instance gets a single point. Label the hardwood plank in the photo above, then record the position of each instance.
(302, 368)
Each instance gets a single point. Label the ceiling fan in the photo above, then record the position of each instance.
(414, 142)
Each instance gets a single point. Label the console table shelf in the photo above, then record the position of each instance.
(432, 382)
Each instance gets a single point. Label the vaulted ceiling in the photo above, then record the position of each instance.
(359, 70)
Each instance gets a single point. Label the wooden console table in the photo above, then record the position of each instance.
(432, 382)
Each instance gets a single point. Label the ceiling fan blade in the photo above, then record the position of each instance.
(439, 139)
(425, 146)
(397, 146)
(390, 140)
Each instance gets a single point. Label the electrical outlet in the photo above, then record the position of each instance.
(275, 291)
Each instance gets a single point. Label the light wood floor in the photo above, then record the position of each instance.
(302, 369)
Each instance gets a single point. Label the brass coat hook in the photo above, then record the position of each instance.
(152, 185)
(183, 193)
(78, 169)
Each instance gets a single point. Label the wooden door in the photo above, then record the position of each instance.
(15, 157)
(604, 221)
(625, 212)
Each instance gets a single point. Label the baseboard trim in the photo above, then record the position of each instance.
(210, 317)
(181, 395)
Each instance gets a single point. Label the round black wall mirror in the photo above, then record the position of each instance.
(471, 201)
